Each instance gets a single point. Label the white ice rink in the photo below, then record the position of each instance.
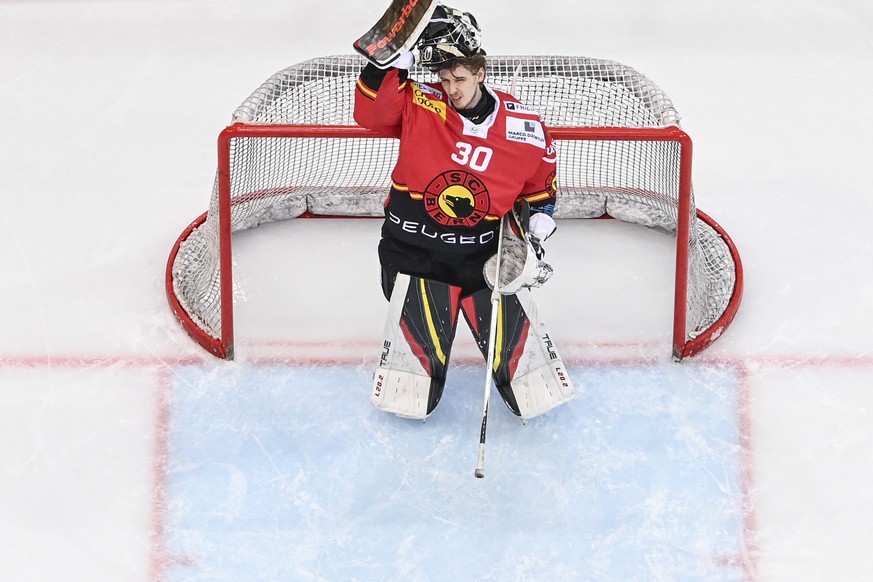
(128, 454)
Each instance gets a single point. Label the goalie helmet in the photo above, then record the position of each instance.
(450, 34)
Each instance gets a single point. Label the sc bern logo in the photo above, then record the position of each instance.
(456, 198)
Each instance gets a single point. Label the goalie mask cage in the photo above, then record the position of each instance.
(293, 150)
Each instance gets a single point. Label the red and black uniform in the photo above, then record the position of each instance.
(454, 178)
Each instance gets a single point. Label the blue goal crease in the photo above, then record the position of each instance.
(279, 472)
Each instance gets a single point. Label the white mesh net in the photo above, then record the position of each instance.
(275, 178)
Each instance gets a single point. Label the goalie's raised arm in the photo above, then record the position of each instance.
(379, 99)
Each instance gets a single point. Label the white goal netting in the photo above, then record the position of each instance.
(628, 175)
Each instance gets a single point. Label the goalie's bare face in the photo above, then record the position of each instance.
(462, 85)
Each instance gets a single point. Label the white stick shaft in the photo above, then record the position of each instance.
(489, 364)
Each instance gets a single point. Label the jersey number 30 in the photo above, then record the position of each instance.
(477, 158)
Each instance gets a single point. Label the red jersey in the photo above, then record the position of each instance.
(454, 179)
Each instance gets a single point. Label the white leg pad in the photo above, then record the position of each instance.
(401, 384)
(541, 382)
(542, 389)
(403, 393)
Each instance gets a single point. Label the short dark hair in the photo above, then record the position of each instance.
(474, 63)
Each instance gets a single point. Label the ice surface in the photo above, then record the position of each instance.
(638, 479)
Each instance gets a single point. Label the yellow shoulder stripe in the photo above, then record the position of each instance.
(366, 90)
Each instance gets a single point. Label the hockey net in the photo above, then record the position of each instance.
(293, 150)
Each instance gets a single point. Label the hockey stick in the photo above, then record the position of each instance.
(492, 343)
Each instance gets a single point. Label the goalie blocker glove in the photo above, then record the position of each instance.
(450, 34)
(441, 34)
(396, 32)
(521, 263)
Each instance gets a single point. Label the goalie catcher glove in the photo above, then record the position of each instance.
(520, 262)
(450, 34)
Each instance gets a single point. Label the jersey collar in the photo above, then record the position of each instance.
(481, 129)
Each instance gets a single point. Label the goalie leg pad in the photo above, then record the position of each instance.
(512, 331)
(419, 331)
(528, 372)
(404, 393)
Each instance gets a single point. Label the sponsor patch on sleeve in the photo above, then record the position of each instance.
(421, 97)
(428, 89)
(525, 131)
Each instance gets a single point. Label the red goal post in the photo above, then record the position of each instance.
(293, 151)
